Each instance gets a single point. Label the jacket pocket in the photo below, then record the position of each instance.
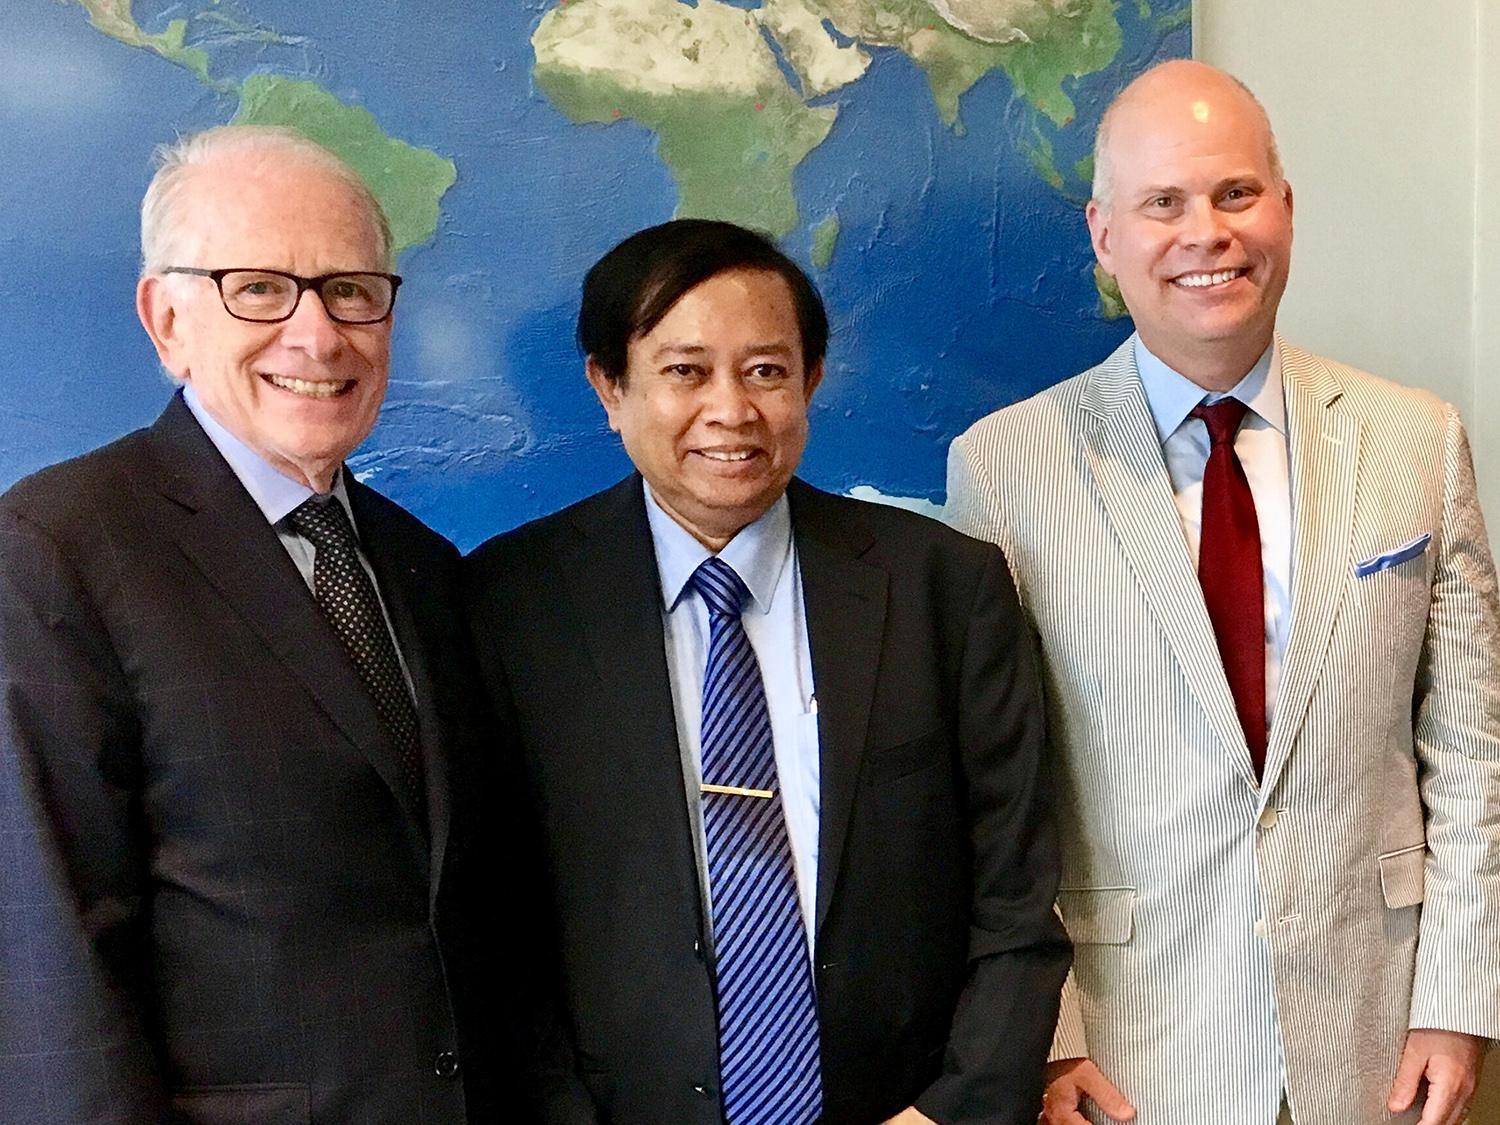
(268, 1103)
(1395, 557)
(1098, 915)
(1401, 875)
(905, 758)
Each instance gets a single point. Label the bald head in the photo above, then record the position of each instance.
(1180, 89)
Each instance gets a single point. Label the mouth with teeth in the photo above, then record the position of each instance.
(728, 456)
(309, 388)
(1206, 279)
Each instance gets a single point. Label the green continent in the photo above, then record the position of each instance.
(408, 181)
(1041, 155)
(825, 238)
(1171, 21)
(730, 160)
(1084, 170)
(1081, 40)
(115, 19)
(1111, 302)
(1072, 46)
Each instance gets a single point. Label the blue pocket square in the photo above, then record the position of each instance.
(1393, 558)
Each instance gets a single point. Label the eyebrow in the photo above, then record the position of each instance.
(672, 348)
(1219, 185)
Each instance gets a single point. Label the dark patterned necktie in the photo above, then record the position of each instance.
(768, 1018)
(1229, 570)
(347, 597)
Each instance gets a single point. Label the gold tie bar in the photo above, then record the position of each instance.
(737, 791)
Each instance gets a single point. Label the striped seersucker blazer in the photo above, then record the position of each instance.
(1228, 930)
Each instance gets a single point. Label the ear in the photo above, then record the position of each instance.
(608, 391)
(156, 305)
(1286, 195)
(1098, 220)
(810, 382)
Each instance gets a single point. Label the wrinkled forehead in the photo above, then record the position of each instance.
(271, 210)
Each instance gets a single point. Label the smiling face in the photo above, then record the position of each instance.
(1197, 229)
(302, 393)
(713, 405)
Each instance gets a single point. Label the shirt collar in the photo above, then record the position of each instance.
(757, 553)
(1172, 396)
(274, 493)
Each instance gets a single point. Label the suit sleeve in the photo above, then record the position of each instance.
(1457, 741)
(73, 876)
(552, 1089)
(1018, 952)
(974, 508)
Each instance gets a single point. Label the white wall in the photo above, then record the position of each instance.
(1388, 115)
(1385, 111)
(1486, 369)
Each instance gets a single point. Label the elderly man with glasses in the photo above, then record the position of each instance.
(237, 719)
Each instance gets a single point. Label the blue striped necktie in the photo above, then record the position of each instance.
(768, 1017)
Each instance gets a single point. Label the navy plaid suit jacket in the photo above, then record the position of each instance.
(216, 902)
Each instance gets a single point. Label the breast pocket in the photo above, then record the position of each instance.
(905, 758)
(269, 1103)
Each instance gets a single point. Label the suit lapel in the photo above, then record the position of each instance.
(1124, 454)
(399, 574)
(845, 603)
(608, 574)
(218, 527)
(1324, 452)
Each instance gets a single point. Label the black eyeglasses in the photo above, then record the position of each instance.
(271, 296)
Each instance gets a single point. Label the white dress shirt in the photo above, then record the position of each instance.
(765, 557)
(1261, 445)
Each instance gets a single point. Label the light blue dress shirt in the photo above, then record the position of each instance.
(276, 494)
(1261, 445)
(765, 557)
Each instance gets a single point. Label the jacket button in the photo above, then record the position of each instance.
(445, 1065)
(706, 1091)
(1268, 819)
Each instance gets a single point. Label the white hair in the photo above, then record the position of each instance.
(161, 208)
(1104, 173)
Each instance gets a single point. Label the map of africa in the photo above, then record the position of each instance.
(926, 160)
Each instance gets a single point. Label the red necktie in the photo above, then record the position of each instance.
(1230, 572)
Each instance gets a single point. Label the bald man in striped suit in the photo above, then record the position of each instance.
(1268, 620)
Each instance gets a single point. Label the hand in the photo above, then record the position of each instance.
(1069, 1082)
(1449, 1062)
(911, 1115)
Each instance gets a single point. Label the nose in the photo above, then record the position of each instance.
(1203, 225)
(727, 400)
(311, 328)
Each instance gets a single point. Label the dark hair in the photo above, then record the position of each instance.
(631, 288)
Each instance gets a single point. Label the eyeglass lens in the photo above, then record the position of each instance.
(354, 298)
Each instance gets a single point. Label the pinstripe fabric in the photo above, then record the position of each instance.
(1223, 927)
(768, 1019)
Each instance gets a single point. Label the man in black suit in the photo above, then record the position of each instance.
(237, 706)
(784, 745)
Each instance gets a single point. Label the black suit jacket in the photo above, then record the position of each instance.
(938, 957)
(218, 902)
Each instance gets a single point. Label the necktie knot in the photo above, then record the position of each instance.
(1222, 418)
(721, 589)
(324, 524)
